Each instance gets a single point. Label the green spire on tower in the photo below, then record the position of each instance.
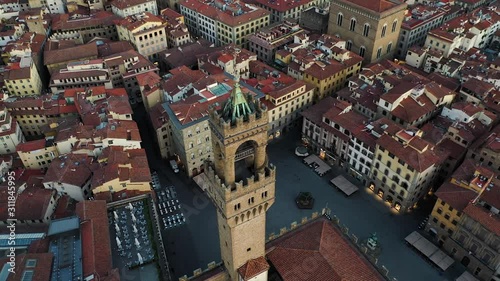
(236, 106)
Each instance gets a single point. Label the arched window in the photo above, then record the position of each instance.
(389, 47)
(340, 17)
(379, 52)
(349, 45)
(384, 29)
(366, 29)
(353, 24)
(362, 51)
(394, 25)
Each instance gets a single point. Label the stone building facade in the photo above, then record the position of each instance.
(370, 28)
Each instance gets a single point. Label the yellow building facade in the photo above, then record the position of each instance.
(24, 81)
(38, 154)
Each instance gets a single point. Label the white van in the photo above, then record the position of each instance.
(174, 166)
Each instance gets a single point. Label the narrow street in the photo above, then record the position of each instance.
(196, 243)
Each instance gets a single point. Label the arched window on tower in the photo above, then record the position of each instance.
(353, 24)
(384, 29)
(366, 29)
(362, 51)
(394, 25)
(340, 17)
(349, 45)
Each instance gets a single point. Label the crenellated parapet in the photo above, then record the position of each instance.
(238, 189)
(228, 129)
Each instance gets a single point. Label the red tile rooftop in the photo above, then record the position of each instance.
(420, 161)
(332, 254)
(253, 268)
(158, 116)
(456, 196)
(31, 145)
(71, 169)
(123, 4)
(41, 271)
(96, 255)
(378, 6)
(227, 17)
(478, 87)
(484, 217)
(33, 203)
(410, 110)
(101, 18)
(138, 23)
(283, 5)
(170, 14)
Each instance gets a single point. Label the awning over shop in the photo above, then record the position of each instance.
(343, 184)
(431, 251)
(466, 276)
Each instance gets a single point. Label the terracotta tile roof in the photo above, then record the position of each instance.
(186, 55)
(465, 172)
(17, 73)
(73, 169)
(33, 202)
(491, 193)
(76, 53)
(455, 196)
(328, 105)
(447, 82)
(148, 78)
(437, 90)
(39, 246)
(484, 217)
(492, 102)
(420, 161)
(41, 271)
(31, 145)
(478, 87)
(65, 207)
(321, 71)
(170, 14)
(137, 23)
(62, 22)
(410, 110)
(351, 121)
(158, 116)
(226, 54)
(96, 238)
(123, 4)
(113, 48)
(126, 165)
(331, 255)
(119, 105)
(250, 12)
(378, 6)
(283, 5)
(253, 268)
(455, 150)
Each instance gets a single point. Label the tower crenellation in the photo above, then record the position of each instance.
(242, 187)
(228, 128)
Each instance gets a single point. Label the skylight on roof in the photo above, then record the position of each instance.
(31, 263)
(27, 275)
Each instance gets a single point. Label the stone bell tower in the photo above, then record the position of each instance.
(240, 181)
